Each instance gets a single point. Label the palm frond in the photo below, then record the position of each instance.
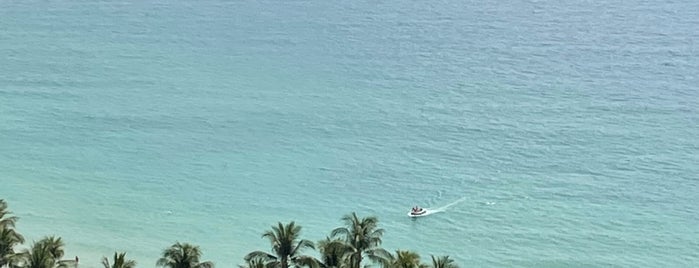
(206, 264)
(120, 261)
(303, 244)
(105, 262)
(362, 234)
(260, 255)
(54, 245)
(40, 255)
(181, 255)
(5, 220)
(383, 262)
(129, 264)
(260, 262)
(340, 231)
(443, 262)
(9, 238)
(306, 261)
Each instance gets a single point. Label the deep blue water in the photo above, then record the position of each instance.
(566, 129)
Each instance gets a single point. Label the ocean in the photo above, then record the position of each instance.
(547, 133)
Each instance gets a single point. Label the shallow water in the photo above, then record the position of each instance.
(568, 128)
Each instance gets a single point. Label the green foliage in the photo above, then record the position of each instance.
(443, 262)
(347, 247)
(363, 236)
(5, 219)
(183, 256)
(402, 259)
(119, 261)
(334, 253)
(43, 254)
(258, 263)
(9, 237)
(286, 247)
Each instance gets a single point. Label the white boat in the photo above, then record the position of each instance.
(418, 212)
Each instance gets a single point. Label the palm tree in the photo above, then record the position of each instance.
(402, 259)
(120, 261)
(5, 219)
(258, 263)
(183, 256)
(54, 245)
(333, 253)
(443, 262)
(363, 238)
(286, 247)
(43, 254)
(9, 237)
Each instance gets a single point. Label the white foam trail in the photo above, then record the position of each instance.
(442, 208)
(445, 207)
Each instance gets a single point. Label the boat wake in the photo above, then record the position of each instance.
(445, 207)
(430, 211)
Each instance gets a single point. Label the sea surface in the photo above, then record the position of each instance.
(547, 133)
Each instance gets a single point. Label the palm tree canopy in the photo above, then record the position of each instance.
(45, 253)
(5, 219)
(403, 259)
(286, 247)
(443, 262)
(258, 263)
(119, 261)
(9, 238)
(334, 253)
(260, 255)
(54, 245)
(183, 255)
(360, 233)
(39, 257)
(363, 236)
(285, 239)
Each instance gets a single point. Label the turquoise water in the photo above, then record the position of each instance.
(562, 133)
